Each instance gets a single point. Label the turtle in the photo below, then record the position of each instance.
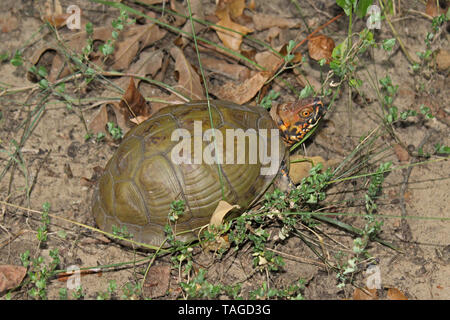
(156, 164)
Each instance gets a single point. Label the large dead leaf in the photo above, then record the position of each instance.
(244, 91)
(264, 21)
(233, 71)
(321, 47)
(231, 40)
(197, 10)
(98, 122)
(11, 276)
(137, 38)
(131, 41)
(133, 104)
(366, 294)
(232, 8)
(8, 22)
(395, 294)
(267, 59)
(189, 82)
(156, 282)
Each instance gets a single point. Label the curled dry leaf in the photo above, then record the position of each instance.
(133, 103)
(217, 218)
(189, 82)
(11, 276)
(264, 21)
(244, 91)
(156, 281)
(221, 211)
(321, 47)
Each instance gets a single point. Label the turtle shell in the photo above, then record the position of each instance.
(145, 174)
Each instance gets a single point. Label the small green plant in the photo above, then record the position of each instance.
(131, 291)
(118, 25)
(199, 287)
(39, 272)
(114, 131)
(45, 220)
(121, 231)
(78, 293)
(17, 59)
(266, 102)
(293, 292)
(112, 286)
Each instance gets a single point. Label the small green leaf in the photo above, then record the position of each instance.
(388, 44)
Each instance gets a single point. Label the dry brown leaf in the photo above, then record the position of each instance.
(8, 22)
(366, 294)
(300, 170)
(233, 8)
(54, 14)
(156, 281)
(395, 294)
(135, 39)
(230, 39)
(267, 59)
(11, 276)
(433, 10)
(222, 209)
(98, 122)
(264, 21)
(189, 82)
(197, 10)
(133, 103)
(401, 153)
(443, 60)
(321, 47)
(233, 71)
(179, 8)
(217, 218)
(244, 91)
(131, 41)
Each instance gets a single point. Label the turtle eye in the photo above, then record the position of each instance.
(305, 113)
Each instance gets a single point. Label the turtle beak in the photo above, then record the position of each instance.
(320, 107)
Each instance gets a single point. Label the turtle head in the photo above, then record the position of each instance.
(295, 119)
